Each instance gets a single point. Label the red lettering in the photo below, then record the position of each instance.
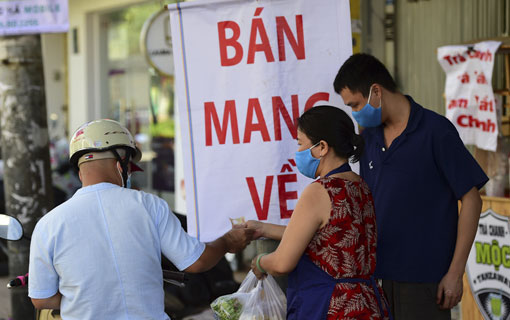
(471, 54)
(257, 26)
(486, 56)
(481, 79)
(221, 131)
(259, 124)
(279, 108)
(460, 122)
(260, 208)
(458, 103)
(468, 121)
(285, 195)
(464, 78)
(319, 96)
(298, 46)
(486, 105)
(287, 167)
(230, 42)
(254, 105)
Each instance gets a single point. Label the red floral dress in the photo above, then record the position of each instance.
(346, 248)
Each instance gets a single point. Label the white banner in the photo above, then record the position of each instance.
(33, 16)
(470, 103)
(245, 70)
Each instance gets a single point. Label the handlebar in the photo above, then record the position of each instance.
(19, 281)
(174, 277)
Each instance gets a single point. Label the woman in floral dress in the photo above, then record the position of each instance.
(328, 248)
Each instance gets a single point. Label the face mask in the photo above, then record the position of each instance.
(306, 163)
(128, 182)
(368, 116)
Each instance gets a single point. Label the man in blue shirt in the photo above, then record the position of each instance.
(418, 169)
(98, 255)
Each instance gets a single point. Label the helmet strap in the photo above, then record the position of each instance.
(123, 164)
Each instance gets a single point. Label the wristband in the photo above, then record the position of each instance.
(258, 262)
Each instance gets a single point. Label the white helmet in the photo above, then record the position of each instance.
(93, 139)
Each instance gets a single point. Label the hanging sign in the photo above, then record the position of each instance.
(488, 266)
(156, 42)
(33, 16)
(245, 70)
(470, 103)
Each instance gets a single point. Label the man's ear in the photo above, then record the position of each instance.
(377, 90)
(79, 175)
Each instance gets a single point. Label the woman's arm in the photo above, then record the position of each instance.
(312, 209)
(266, 230)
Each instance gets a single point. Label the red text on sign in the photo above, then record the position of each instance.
(470, 54)
(258, 31)
(262, 207)
(458, 103)
(485, 104)
(468, 121)
(255, 121)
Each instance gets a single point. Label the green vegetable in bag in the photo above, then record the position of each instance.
(227, 308)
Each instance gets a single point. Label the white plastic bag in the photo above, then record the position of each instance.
(255, 300)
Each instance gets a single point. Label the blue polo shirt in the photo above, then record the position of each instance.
(416, 184)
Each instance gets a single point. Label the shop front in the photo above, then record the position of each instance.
(110, 77)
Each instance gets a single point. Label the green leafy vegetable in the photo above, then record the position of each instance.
(227, 308)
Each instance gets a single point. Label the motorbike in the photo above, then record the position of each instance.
(185, 294)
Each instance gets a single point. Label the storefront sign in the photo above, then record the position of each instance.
(33, 16)
(245, 70)
(470, 103)
(488, 266)
(156, 42)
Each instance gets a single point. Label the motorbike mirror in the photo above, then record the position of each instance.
(10, 228)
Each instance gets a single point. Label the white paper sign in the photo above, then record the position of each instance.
(33, 16)
(245, 69)
(488, 266)
(470, 103)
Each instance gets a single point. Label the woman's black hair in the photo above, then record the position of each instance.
(334, 126)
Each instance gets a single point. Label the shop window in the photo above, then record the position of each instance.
(139, 97)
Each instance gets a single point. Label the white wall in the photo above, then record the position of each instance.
(55, 81)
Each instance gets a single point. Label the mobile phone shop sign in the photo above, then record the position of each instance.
(488, 266)
(244, 71)
(33, 16)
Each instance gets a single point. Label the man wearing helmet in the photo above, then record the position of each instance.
(98, 255)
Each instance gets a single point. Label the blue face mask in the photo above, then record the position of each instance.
(128, 182)
(306, 163)
(368, 116)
